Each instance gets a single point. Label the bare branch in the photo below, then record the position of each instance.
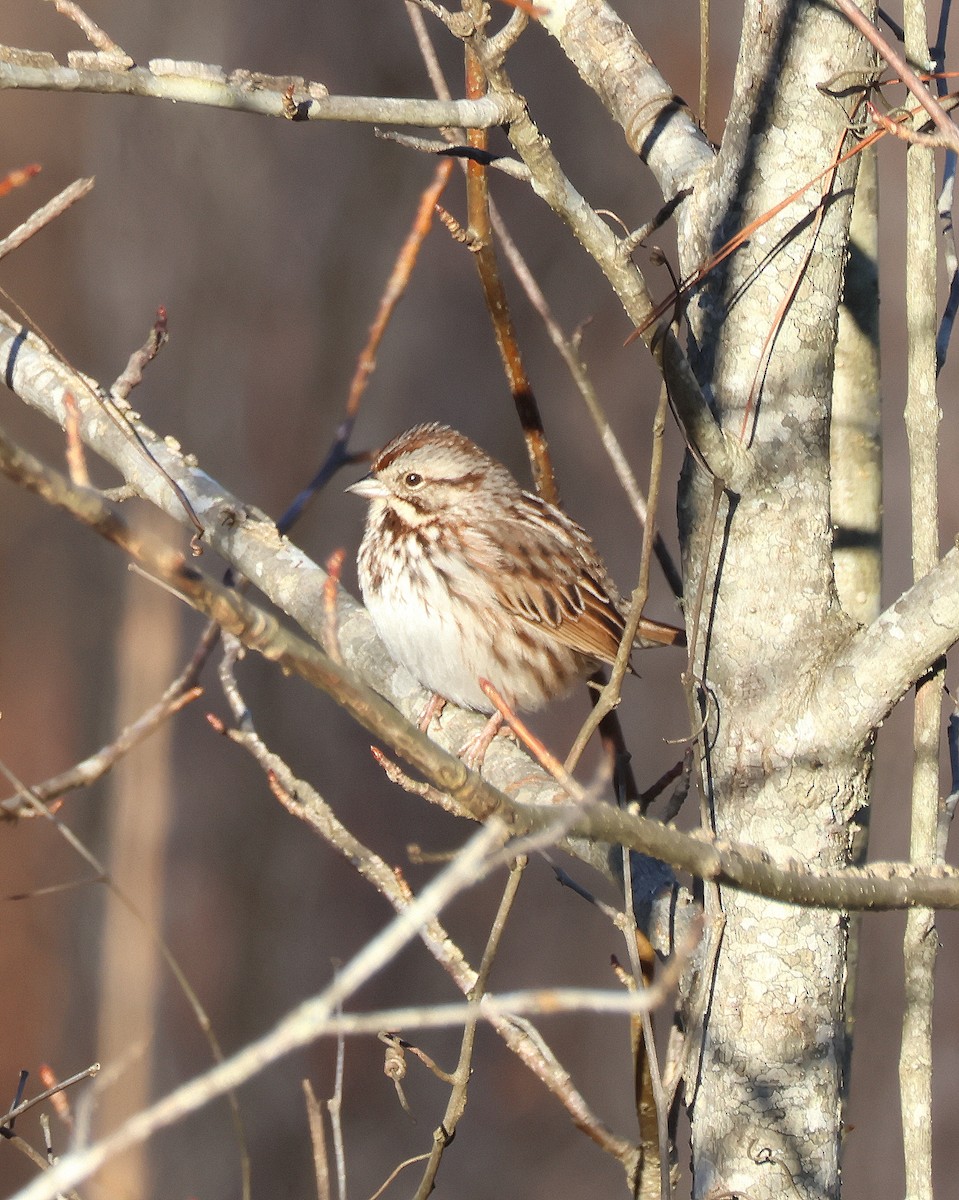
(658, 125)
(43, 216)
(240, 91)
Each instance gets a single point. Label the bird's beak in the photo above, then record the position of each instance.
(368, 488)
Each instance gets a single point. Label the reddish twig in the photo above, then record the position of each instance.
(397, 284)
(858, 19)
(743, 235)
(331, 587)
(481, 232)
(898, 128)
(133, 372)
(18, 177)
(57, 1093)
(339, 453)
(75, 453)
(395, 774)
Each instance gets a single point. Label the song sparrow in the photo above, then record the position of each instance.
(466, 576)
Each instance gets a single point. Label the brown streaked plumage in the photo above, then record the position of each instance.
(467, 576)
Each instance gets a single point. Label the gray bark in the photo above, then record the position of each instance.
(766, 1082)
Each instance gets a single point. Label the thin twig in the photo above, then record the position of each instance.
(858, 19)
(132, 373)
(331, 636)
(494, 291)
(921, 416)
(25, 1105)
(339, 454)
(321, 1166)
(91, 30)
(43, 216)
(240, 91)
(461, 1076)
(569, 352)
(610, 695)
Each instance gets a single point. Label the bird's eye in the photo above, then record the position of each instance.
(412, 479)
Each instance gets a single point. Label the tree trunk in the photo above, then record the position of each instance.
(766, 1033)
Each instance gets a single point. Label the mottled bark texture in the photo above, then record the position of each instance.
(764, 1072)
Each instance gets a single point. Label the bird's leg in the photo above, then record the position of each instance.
(433, 709)
(473, 750)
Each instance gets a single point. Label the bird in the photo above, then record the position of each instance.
(468, 577)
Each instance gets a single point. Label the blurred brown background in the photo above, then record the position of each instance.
(269, 244)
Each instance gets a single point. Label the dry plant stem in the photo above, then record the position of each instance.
(609, 697)
(321, 1166)
(425, 44)
(922, 422)
(240, 91)
(857, 18)
(300, 799)
(331, 636)
(43, 216)
(550, 184)
(397, 1170)
(461, 1076)
(395, 774)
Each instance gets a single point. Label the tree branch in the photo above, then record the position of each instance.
(658, 125)
(859, 686)
(289, 97)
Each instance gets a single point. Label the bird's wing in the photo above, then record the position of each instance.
(553, 577)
